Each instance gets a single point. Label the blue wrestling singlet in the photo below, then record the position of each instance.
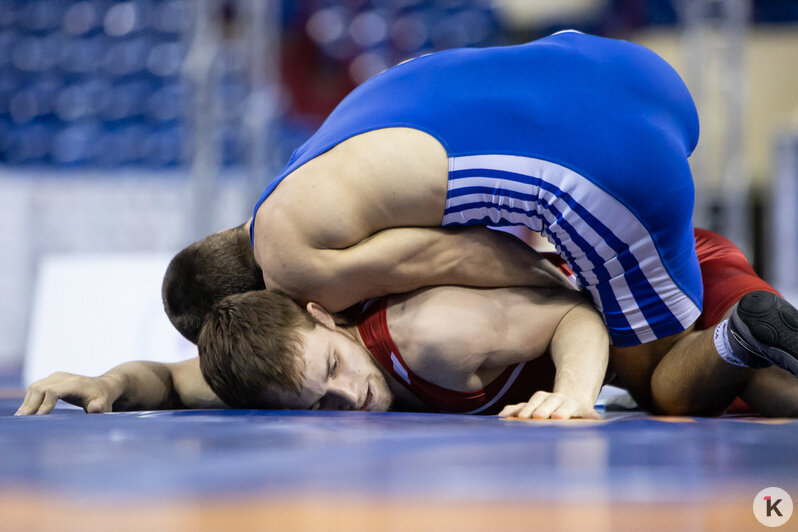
(581, 138)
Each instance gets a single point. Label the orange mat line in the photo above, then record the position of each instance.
(307, 513)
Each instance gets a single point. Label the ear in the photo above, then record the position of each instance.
(318, 312)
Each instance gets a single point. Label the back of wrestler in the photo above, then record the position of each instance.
(594, 132)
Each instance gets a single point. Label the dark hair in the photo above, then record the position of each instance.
(204, 273)
(250, 345)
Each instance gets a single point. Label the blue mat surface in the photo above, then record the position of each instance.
(627, 457)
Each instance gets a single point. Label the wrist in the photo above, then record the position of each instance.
(587, 398)
(115, 383)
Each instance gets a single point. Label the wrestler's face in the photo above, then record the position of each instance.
(339, 374)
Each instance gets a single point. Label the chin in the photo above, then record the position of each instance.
(383, 398)
(383, 404)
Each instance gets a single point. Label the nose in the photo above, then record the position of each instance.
(343, 396)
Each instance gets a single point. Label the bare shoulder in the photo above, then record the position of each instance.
(450, 303)
(442, 311)
(440, 334)
(447, 308)
(391, 177)
(464, 329)
(279, 248)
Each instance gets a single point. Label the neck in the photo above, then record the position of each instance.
(354, 332)
(402, 398)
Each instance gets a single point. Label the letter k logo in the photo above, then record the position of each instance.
(772, 506)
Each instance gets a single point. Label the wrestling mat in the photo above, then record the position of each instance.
(285, 471)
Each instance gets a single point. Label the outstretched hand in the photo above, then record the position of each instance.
(546, 405)
(93, 394)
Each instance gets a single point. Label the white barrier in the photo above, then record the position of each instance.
(94, 311)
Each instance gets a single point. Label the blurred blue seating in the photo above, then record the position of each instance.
(372, 35)
(93, 82)
(97, 82)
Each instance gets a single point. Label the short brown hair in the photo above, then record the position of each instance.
(204, 273)
(250, 345)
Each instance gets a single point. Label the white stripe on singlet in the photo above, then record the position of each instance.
(549, 188)
(510, 381)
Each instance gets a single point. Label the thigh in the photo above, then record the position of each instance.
(772, 392)
(634, 366)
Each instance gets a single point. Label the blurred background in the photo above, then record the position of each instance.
(129, 129)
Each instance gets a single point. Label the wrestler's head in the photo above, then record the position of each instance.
(205, 272)
(339, 372)
(262, 350)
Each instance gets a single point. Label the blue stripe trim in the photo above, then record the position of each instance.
(488, 205)
(512, 194)
(651, 305)
(481, 172)
(613, 315)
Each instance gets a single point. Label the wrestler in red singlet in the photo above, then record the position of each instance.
(727, 276)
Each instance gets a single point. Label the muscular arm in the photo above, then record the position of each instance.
(153, 385)
(404, 259)
(458, 336)
(580, 351)
(136, 385)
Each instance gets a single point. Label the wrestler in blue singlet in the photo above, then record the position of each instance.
(581, 138)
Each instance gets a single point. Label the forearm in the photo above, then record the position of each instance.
(141, 385)
(477, 256)
(580, 351)
(190, 386)
(405, 259)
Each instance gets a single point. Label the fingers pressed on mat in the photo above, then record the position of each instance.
(48, 404)
(31, 403)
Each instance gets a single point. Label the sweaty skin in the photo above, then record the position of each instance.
(456, 337)
(317, 240)
(460, 339)
(363, 220)
(135, 385)
(581, 138)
